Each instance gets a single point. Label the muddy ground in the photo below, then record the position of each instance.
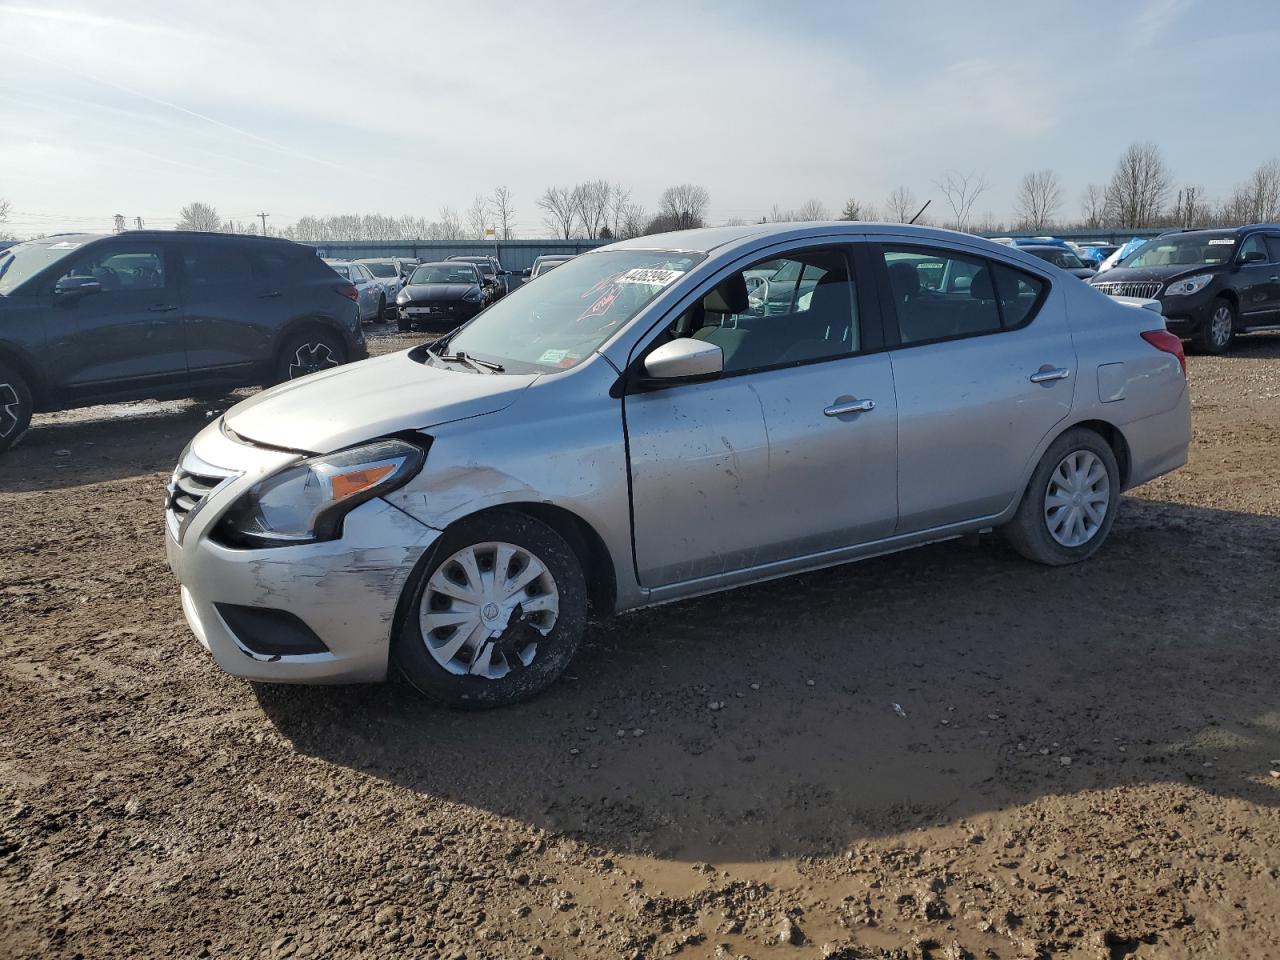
(1080, 766)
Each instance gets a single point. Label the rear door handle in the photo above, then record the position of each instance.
(851, 406)
(1046, 375)
(162, 307)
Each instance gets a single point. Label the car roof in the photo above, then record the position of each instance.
(451, 262)
(1050, 247)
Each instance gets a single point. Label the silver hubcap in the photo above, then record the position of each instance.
(310, 358)
(486, 607)
(1220, 330)
(1077, 498)
(8, 409)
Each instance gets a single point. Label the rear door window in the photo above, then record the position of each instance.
(1273, 248)
(215, 264)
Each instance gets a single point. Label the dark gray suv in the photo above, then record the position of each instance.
(87, 319)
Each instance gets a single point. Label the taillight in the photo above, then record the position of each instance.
(1167, 342)
(348, 290)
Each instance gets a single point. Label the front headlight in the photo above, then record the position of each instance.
(306, 502)
(1188, 285)
(402, 297)
(473, 295)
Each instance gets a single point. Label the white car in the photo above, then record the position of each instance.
(369, 293)
(389, 274)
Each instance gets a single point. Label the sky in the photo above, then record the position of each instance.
(299, 108)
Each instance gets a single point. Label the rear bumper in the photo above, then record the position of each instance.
(1158, 444)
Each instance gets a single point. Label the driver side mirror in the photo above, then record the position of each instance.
(683, 360)
(526, 271)
(73, 288)
(1253, 256)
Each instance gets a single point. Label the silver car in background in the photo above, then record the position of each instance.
(369, 293)
(390, 276)
(636, 428)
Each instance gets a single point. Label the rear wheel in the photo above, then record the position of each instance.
(1219, 330)
(310, 352)
(15, 406)
(496, 614)
(1070, 502)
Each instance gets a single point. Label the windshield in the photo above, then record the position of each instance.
(21, 262)
(1189, 251)
(343, 269)
(445, 273)
(1059, 258)
(556, 323)
(384, 270)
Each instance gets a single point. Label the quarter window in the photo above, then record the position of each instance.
(785, 310)
(131, 267)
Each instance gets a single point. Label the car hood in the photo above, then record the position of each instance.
(1138, 274)
(433, 292)
(373, 398)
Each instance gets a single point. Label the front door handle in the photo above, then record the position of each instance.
(851, 406)
(1045, 375)
(162, 307)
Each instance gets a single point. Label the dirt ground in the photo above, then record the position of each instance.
(1080, 765)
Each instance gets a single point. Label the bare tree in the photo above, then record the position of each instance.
(479, 218)
(961, 191)
(812, 210)
(619, 200)
(5, 207)
(504, 212)
(1093, 206)
(1190, 208)
(1257, 200)
(1139, 186)
(685, 205)
(1039, 199)
(901, 204)
(558, 211)
(450, 224)
(591, 206)
(633, 221)
(198, 216)
(853, 210)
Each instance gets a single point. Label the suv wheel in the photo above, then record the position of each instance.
(1220, 329)
(1070, 502)
(15, 406)
(495, 615)
(309, 352)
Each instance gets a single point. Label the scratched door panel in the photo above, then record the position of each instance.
(749, 469)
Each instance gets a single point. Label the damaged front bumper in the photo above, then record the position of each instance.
(309, 613)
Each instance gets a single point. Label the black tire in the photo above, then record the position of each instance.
(309, 352)
(551, 653)
(382, 308)
(405, 326)
(1218, 331)
(1029, 530)
(16, 406)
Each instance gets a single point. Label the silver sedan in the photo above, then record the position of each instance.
(645, 424)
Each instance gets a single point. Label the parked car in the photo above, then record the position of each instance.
(1126, 248)
(1212, 284)
(406, 265)
(625, 432)
(369, 293)
(1094, 253)
(87, 319)
(547, 262)
(449, 293)
(390, 276)
(1060, 257)
(495, 278)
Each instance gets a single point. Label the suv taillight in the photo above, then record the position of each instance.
(348, 290)
(1166, 341)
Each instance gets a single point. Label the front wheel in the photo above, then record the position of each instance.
(1070, 502)
(309, 352)
(496, 614)
(15, 406)
(1219, 330)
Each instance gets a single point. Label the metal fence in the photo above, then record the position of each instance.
(512, 254)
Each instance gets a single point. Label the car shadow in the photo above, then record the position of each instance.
(797, 716)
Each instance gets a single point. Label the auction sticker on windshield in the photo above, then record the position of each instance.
(651, 276)
(1222, 242)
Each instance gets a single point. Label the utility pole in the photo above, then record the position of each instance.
(119, 223)
(264, 222)
(137, 223)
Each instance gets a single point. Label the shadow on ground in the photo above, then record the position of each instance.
(1156, 661)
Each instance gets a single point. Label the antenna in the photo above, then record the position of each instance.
(920, 211)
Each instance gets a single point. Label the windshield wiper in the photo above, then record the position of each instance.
(473, 362)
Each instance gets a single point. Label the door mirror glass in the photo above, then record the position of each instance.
(685, 359)
(1253, 256)
(77, 286)
(525, 272)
